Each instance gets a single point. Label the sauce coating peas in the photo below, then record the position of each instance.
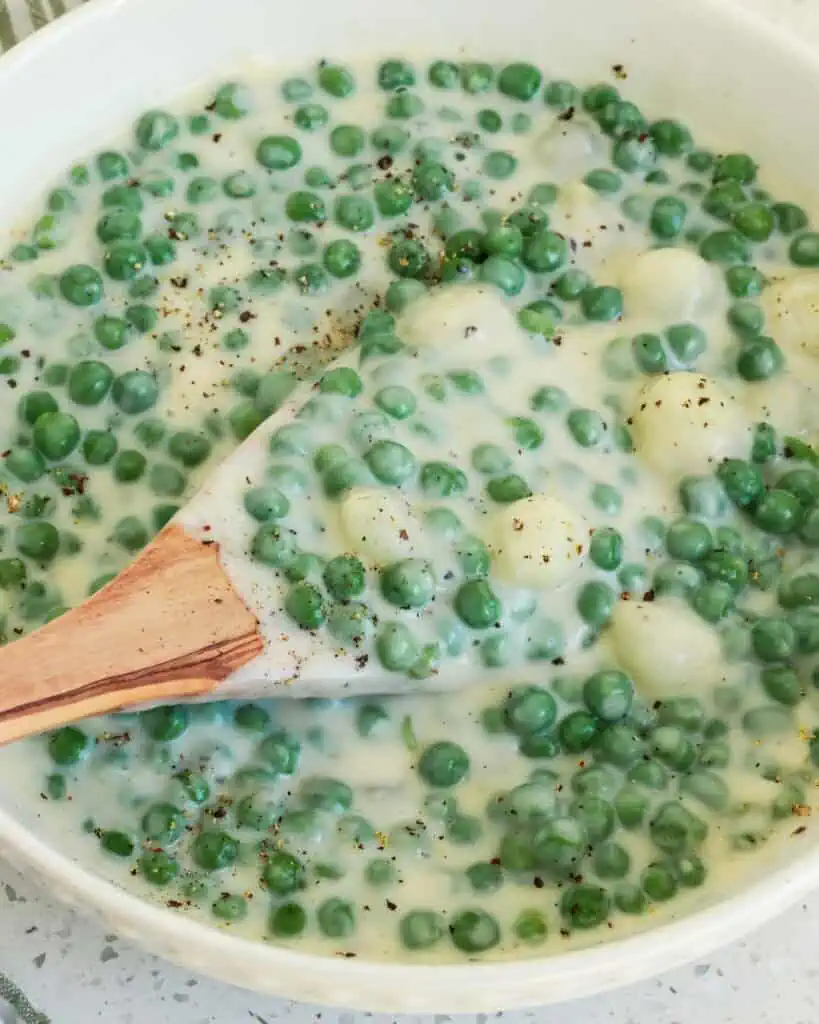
(506, 340)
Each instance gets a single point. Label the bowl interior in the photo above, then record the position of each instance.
(81, 80)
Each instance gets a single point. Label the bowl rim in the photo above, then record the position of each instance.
(404, 987)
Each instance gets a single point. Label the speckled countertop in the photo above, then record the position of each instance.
(72, 972)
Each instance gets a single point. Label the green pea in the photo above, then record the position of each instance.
(675, 830)
(789, 218)
(402, 292)
(618, 744)
(229, 907)
(773, 639)
(282, 873)
(742, 481)
(67, 745)
(529, 709)
(799, 591)
(311, 116)
(804, 483)
(305, 207)
(89, 382)
(595, 815)
(778, 512)
(158, 867)
(755, 221)
(804, 250)
(508, 488)
(336, 918)
(484, 876)
(649, 353)
(595, 603)
(305, 605)
(519, 81)
(688, 540)
(281, 752)
(606, 548)
(341, 381)
(735, 167)
(244, 419)
(781, 683)
(130, 534)
(421, 929)
(474, 931)
(604, 181)
(117, 843)
(707, 787)
(342, 258)
(395, 74)
(443, 74)
(726, 247)
(408, 584)
(473, 556)
(155, 130)
(25, 464)
(560, 94)
(163, 823)
(476, 604)
(38, 541)
(311, 279)
(214, 849)
(586, 426)
(724, 199)
(577, 731)
(608, 694)
(344, 577)
(503, 272)
(110, 332)
(396, 647)
(443, 764)
(166, 481)
(744, 282)
(13, 573)
(135, 391)
(239, 185)
(251, 718)
(165, 723)
(408, 258)
(392, 197)
(584, 906)
(368, 717)
(81, 285)
(189, 448)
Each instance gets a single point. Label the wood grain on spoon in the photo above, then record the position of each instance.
(169, 626)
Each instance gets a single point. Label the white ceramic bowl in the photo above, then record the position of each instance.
(736, 81)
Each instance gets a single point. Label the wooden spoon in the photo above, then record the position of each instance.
(175, 626)
(170, 626)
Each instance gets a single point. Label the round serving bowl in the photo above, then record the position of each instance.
(735, 79)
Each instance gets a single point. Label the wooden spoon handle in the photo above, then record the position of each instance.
(170, 626)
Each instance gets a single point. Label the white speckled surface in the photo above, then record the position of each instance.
(74, 973)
